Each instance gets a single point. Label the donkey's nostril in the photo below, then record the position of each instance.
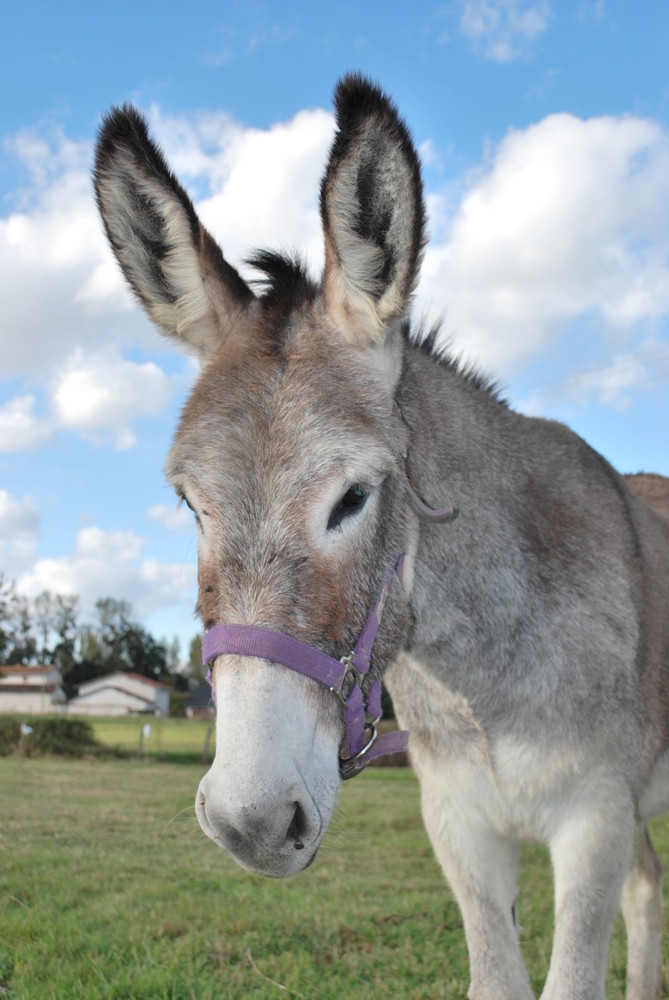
(297, 827)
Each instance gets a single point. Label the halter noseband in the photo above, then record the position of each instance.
(344, 677)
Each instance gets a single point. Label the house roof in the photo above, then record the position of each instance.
(31, 676)
(119, 678)
(29, 688)
(145, 680)
(22, 668)
(129, 699)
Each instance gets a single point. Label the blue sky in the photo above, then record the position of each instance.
(544, 133)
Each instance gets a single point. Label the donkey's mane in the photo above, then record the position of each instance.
(428, 343)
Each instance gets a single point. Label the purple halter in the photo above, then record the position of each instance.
(344, 677)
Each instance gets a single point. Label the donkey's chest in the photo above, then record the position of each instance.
(514, 779)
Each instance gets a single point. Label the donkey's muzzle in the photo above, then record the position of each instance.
(275, 836)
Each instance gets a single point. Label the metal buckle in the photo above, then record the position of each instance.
(352, 674)
(347, 767)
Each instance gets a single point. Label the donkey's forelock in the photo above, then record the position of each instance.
(285, 283)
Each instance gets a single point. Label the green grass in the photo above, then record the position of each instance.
(178, 740)
(108, 889)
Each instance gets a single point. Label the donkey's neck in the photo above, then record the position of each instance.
(458, 431)
(487, 587)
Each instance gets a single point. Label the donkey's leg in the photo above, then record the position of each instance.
(642, 910)
(482, 869)
(591, 852)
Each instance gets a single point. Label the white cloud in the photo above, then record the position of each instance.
(174, 518)
(111, 564)
(230, 43)
(51, 246)
(611, 385)
(592, 12)
(65, 303)
(101, 394)
(263, 185)
(571, 219)
(20, 429)
(503, 29)
(19, 531)
(98, 396)
(567, 218)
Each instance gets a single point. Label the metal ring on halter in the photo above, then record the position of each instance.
(345, 762)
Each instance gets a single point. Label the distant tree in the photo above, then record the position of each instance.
(119, 643)
(19, 642)
(6, 592)
(195, 668)
(114, 625)
(176, 669)
(181, 682)
(172, 654)
(89, 646)
(65, 629)
(43, 609)
(46, 630)
(39, 631)
(177, 709)
(88, 660)
(144, 654)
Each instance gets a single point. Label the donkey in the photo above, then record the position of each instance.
(653, 490)
(525, 643)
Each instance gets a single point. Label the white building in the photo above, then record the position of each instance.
(31, 690)
(121, 694)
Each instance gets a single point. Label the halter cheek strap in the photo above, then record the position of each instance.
(345, 677)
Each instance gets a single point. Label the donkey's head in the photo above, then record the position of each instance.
(290, 452)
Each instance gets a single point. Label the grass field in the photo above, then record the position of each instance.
(108, 889)
(177, 740)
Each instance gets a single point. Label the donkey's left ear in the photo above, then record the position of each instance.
(372, 212)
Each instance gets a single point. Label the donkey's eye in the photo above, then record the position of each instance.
(352, 501)
(184, 499)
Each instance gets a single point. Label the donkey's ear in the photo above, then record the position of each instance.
(372, 212)
(173, 264)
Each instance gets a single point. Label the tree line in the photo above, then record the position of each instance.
(47, 630)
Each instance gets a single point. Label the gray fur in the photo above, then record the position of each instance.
(528, 654)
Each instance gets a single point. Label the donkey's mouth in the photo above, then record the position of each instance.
(283, 875)
(312, 858)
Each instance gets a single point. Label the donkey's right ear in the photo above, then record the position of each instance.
(174, 266)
